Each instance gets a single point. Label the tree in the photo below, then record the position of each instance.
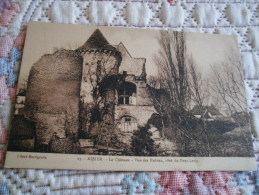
(179, 76)
(173, 68)
(228, 84)
(159, 97)
(173, 77)
(228, 87)
(200, 92)
(97, 95)
(142, 144)
(108, 136)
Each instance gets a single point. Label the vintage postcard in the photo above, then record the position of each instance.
(106, 98)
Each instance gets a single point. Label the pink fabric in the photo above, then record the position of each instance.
(175, 181)
(4, 92)
(1, 125)
(2, 156)
(197, 183)
(172, 2)
(3, 136)
(20, 39)
(217, 178)
(7, 15)
(5, 4)
(197, 186)
(12, 94)
(6, 44)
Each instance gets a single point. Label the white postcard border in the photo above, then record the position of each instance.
(127, 163)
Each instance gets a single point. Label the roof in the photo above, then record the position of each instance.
(202, 110)
(134, 66)
(96, 41)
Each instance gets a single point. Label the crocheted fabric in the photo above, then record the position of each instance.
(239, 17)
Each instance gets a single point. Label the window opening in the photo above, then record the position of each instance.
(127, 94)
(128, 124)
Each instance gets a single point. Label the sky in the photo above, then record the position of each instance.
(44, 38)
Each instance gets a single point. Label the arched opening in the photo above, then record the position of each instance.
(128, 124)
(127, 94)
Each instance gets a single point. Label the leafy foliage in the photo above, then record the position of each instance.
(68, 145)
(107, 136)
(142, 144)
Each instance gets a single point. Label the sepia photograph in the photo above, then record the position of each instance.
(130, 92)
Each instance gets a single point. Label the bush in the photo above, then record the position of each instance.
(68, 145)
(142, 144)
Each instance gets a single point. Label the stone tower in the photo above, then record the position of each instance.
(101, 63)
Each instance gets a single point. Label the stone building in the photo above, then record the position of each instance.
(207, 113)
(71, 91)
(133, 106)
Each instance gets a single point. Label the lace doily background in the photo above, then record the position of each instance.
(239, 17)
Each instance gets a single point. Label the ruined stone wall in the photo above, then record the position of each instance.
(97, 66)
(49, 125)
(143, 95)
(140, 113)
(132, 65)
(108, 64)
(52, 98)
